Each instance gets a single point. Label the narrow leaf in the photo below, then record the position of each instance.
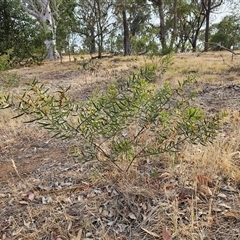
(21, 114)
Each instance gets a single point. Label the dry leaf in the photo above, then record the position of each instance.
(91, 195)
(222, 195)
(231, 215)
(88, 234)
(205, 190)
(11, 201)
(169, 186)
(132, 216)
(105, 213)
(224, 205)
(166, 234)
(186, 193)
(122, 227)
(203, 180)
(31, 196)
(46, 200)
(229, 189)
(53, 235)
(209, 191)
(144, 206)
(79, 236)
(164, 175)
(210, 220)
(26, 224)
(111, 223)
(69, 225)
(23, 202)
(17, 231)
(150, 233)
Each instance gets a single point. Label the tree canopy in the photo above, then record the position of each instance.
(47, 27)
(19, 33)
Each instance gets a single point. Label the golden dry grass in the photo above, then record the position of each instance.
(222, 157)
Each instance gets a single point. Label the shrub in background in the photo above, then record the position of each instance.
(5, 61)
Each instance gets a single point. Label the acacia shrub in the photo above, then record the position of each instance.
(131, 120)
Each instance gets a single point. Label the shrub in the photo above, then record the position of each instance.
(131, 120)
(5, 61)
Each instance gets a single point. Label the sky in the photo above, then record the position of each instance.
(220, 13)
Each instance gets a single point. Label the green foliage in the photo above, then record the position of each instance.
(67, 25)
(5, 61)
(131, 120)
(145, 43)
(226, 33)
(30, 49)
(20, 33)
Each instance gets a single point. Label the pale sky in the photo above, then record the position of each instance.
(221, 13)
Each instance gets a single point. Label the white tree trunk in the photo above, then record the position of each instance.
(52, 52)
(41, 10)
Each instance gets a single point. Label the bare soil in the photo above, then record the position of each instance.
(46, 193)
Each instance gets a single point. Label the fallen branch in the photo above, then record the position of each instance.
(225, 48)
(143, 53)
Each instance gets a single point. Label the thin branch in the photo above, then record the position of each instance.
(225, 48)
(32, 12)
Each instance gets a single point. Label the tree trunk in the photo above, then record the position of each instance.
(126, 41)
(162, 32)
(175, 21)
(6, 25)
(52, 53)
(209, 5)
(99, 29)
(92, 41)
(196, 26)
(51, 49)
(194, 45)
(41, 10)
(208, 11)
(193, 42)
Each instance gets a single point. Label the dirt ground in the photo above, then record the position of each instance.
(47, 193)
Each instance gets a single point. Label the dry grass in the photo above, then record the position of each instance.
(222, 157)
(195, 193)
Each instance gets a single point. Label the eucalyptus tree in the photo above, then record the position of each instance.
(96, 23)
(132, 17)
(180, 24)
(19, 33)
(46, 12)
(195, 21)
(174, 10)
(7, 25)
(167, 11)
(87, 23)
(104, 25)
(141, 33)
(11, 23)
(225, 33)
(184, 11)
(121, 10)
(68, 26)
(208, 6)
(161, 10)
(180, 21)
